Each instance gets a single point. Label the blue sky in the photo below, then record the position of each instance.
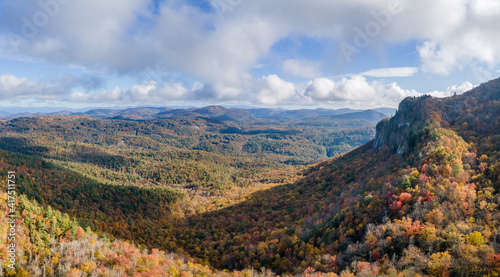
(269, 53)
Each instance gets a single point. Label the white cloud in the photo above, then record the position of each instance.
(146, 93)
(489, 8)
(223, 92)
(468, 40)
(115, 95)
(9, 83)
(150, 92)
(450, 91)
(273, 90)
(301, 68)
(356, 90)
(13, 87)
(344, 90)
(391, 72)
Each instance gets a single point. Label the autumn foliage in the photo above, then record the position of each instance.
(422, 198)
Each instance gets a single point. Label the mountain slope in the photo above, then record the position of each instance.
(421, 198)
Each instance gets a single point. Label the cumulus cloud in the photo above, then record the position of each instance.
(344, 90)
(391, 72)
(151, 92)
(13, 87)
(273, 90)
(115, 96)
(468, 38)
(16, 88)
(356, 89)
(450, 91)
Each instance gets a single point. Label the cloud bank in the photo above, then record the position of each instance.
(271, 90)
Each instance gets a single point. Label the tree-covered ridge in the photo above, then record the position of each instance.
(423, 198)
(289, 142)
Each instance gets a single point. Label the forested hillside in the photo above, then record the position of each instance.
(421, 198)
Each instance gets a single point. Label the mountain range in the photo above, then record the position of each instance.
(149, 113)
(420, 198)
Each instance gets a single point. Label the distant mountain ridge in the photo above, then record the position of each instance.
(221, 113)
(369, 115)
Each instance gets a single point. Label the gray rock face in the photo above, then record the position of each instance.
(402, 131)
